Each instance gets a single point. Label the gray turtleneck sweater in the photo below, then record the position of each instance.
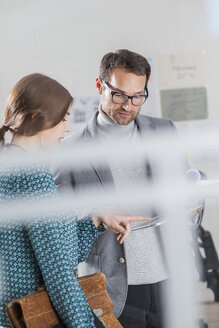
(144, 258)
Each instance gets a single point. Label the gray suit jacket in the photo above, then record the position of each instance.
(107, 255)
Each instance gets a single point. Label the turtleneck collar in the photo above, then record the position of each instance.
(107, 127)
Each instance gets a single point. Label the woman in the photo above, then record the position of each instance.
(46, 250)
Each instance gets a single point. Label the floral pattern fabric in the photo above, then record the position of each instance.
(44, 251)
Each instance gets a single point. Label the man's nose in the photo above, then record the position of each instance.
(128, 105)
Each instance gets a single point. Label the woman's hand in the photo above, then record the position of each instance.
(116, 221)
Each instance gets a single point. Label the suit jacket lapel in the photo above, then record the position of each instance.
(103, 172)
(145, 126)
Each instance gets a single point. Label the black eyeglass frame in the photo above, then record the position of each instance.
(128, 97)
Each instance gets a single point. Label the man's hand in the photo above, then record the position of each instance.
(116, 221)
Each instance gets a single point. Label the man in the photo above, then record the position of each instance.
(135, 272)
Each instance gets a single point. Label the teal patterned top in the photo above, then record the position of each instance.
(43, 251)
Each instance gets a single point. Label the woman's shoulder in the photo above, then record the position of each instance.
(31, 181)
(39, 175)
(20, 177)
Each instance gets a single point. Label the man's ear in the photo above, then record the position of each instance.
(99, 85)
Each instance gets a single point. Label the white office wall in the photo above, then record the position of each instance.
(66, 40)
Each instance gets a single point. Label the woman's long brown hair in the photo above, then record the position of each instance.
(35, 103)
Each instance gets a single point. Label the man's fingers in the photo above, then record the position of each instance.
(128, 229)
(119, 236)
(118, 228)
(137, 218)
(110, 228)
(120, 225)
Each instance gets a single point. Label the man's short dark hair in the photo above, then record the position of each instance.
(126, 59)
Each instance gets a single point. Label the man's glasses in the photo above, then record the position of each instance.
(122, 98)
